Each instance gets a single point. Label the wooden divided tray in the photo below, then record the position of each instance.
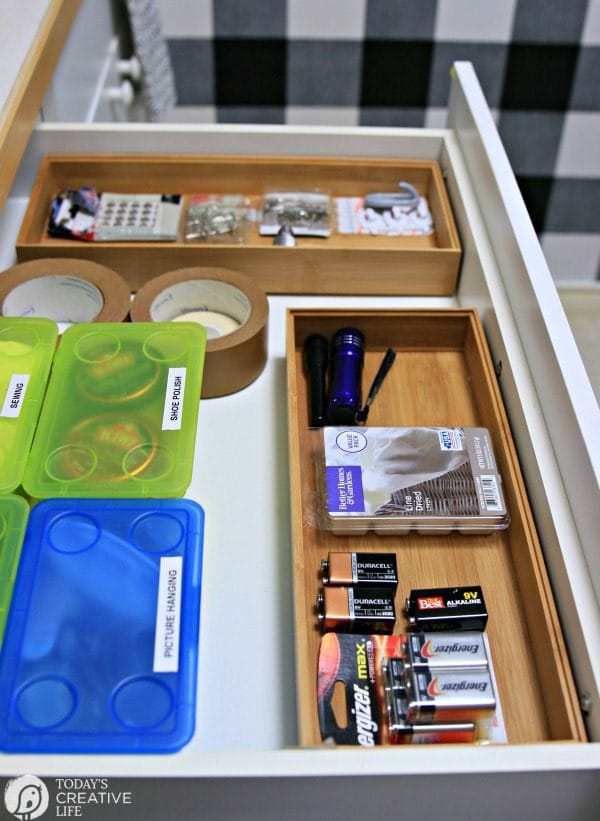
(340, 264)
(442, 376)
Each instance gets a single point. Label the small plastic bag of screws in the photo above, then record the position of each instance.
(218, 218)
(307, 213)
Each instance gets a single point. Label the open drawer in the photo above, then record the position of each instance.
(245, 759)
(442, 376)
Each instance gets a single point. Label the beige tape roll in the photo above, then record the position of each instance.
(65, 290)
(233, 310)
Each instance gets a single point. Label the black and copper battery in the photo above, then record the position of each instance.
(349, 568)
(356, 609)
(447, 608)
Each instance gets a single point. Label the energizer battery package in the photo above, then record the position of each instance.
(407, 689)
(395, 480)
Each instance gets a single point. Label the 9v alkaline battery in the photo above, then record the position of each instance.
(357, 609)
(401, 730)
(446, 651)
(447, 608)
(394, 675)
(360, 569)
(444, 695)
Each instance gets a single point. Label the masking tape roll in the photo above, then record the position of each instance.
(65, 290)
(232, 308)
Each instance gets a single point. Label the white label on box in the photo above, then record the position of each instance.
(13, 401)
(173, 409)
(491, 493)
(168, 615)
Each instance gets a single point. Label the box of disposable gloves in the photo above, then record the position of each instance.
(396, 480)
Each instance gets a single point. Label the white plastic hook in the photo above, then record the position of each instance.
(408, 197)
(123, 93)
(130, 68)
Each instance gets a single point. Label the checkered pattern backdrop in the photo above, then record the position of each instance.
(386, 63)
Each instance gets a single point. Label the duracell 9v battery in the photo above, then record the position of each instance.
(348, 568)
(357, 609)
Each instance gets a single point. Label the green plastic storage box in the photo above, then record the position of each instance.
(14, 512)
(120, 414)
(26, 350)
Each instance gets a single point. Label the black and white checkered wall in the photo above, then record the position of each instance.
(386, 62)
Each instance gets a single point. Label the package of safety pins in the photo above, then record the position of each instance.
(306, 213)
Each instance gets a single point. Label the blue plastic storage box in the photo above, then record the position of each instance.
(101, 643)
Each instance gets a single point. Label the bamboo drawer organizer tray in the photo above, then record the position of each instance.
(442, 376)
(339, 264)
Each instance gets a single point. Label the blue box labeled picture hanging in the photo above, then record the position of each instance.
(101, 644)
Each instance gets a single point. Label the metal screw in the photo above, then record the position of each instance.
(585, 702)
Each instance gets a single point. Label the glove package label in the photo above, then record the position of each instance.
(344, 489)
(413, 473)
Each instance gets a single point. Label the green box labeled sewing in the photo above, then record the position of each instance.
(14, 512)
(26, 350)
(121, 412)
